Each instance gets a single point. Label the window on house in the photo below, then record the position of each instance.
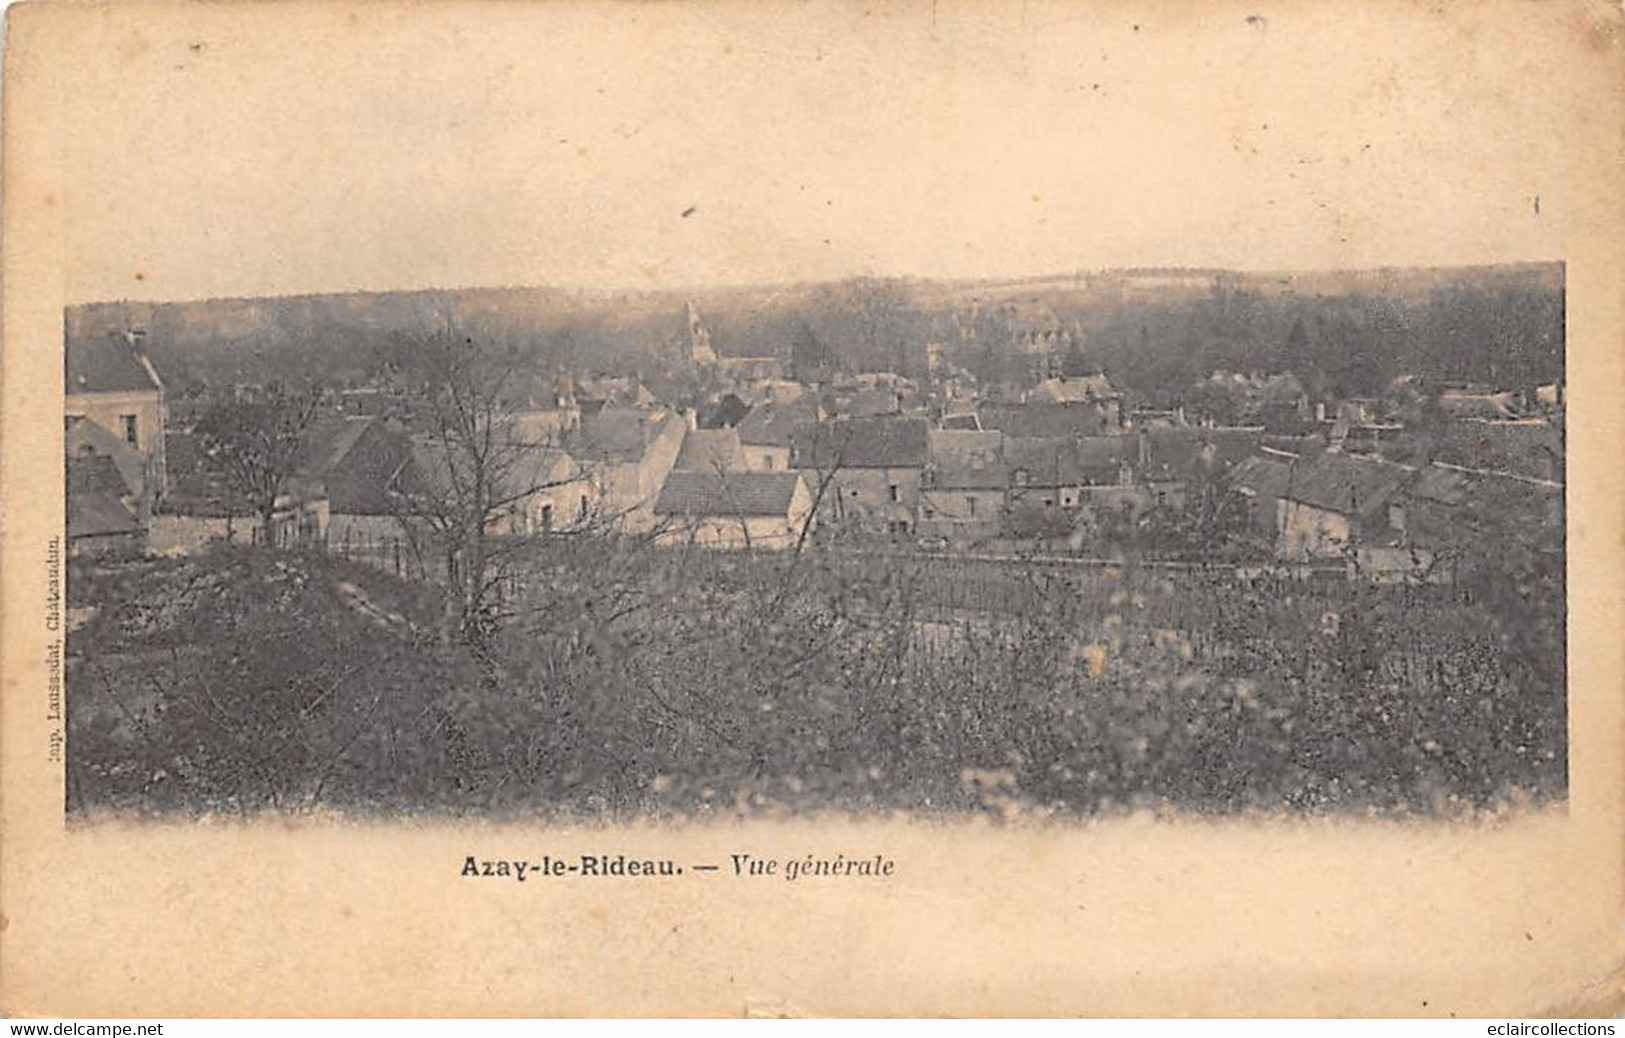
(547, 518)
(970, 505)
(767, 462)
(582, 514)
(896, 492)
(130, 436)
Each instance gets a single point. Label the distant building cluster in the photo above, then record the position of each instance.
(757, 458)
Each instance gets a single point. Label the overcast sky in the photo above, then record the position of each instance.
(231, 151)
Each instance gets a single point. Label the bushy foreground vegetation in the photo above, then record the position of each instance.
(620, 679)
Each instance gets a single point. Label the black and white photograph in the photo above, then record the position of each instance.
(1168, 540)
(936, 508)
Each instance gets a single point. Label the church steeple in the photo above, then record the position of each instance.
(697, 340)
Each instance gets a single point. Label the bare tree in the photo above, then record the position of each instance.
(258, 445)
(474, 477)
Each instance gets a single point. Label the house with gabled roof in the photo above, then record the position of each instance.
(532, 489)
(1334, 502)
(873, 466)
(625, 454)
(1257, 482)
(108, 380)
(963, 487)
(743, 510)
(1048, 418)
(1065, 475)
(1450, 518)
(766, 432)
(1174, 460)
(82, 437)
(359, 463)
(104, 517)
(204, 504)
(711, 450)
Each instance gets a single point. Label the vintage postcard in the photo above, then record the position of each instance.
(935, 508)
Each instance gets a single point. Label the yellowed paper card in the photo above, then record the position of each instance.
(705, 509)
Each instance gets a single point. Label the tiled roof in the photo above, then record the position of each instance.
(617, 434)
(1449, 504)
(1263, 475)
(1439, 485)
(107, 364)
(95, 473)
(1043, 419)
(1185, 453)
(707, 449)
(1345, 483)
(863, 443)
(84, 436)
(731, 494)
(1106, 453)
(99, 513)
(966, 445)
(514, 470)
(1064, 461)
(1527, 448)
(358, 461)
(773, 424)
(328, 441)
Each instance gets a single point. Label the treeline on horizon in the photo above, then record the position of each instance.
(1506, 331)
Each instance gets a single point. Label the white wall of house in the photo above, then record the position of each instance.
(558, 507)
(866, 498)
(766, 458)
(961, 506)
(136, 417)
(768, 532)
(1305, 532)
(628, 490)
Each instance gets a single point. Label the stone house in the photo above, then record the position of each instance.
(874, 467)
(1257, 483)
(766, 432)
(109, 381)
(739, 510)
(962, 490)
(1334, 503)
(625, 454)
(711, 450)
